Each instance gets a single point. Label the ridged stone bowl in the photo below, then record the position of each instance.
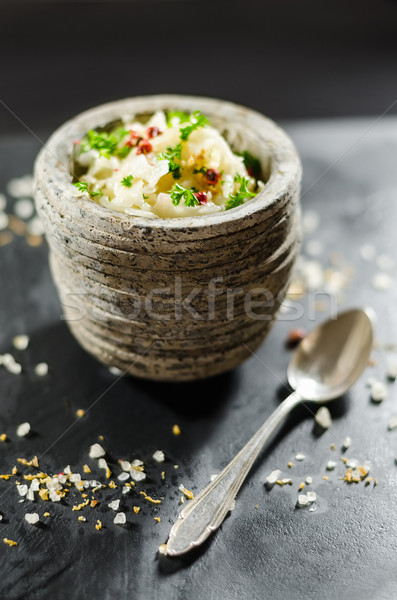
(172, 299)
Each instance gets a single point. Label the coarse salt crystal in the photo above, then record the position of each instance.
(331, 464)
(352, 463)
(323, 417)
(94, 483)
(125, 465)
(20, 342)
(308, 480)
(120, 519)
(302, 500)
(22, 489)
(96, 451)
(300, 456)
(392, 368)
(75, 477)
(382, 282)
(114, 505)
(115, 371)
(54, 496)
(137, 475)
(214, 476)
(368, 252)
(311, 497)
(102, 464)
(392, 423)
(123, 476)
(35, 485)
(24, 208)
(4, 220)
(347, 442)
(41, 369)
(1, 517)
(32, 518)
(163, 549)
(378, 391)
(137, 463)
(23, 429)
(67, 470)
(126, 489)
(158, 456)
(30, 495)
(20, 186)
(272, 478)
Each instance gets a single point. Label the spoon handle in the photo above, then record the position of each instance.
(206, 511)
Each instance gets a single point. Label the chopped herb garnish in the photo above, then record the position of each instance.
(251, 163)
(145, 197)
(242, 194)
(182, 116)
(200, 121)
(179, 193)
(106, 143)
(127, 181)
(82, 186)
(172, 155)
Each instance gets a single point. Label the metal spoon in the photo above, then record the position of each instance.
(325, 365)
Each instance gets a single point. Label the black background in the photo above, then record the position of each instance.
(285, 58)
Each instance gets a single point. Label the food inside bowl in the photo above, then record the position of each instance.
(169, 164)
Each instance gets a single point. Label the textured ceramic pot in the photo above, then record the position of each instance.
(172, 299)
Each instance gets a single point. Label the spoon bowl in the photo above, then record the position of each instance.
(330, 359)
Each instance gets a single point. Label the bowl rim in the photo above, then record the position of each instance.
(285, 171)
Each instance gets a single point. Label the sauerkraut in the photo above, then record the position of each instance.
(172, 165)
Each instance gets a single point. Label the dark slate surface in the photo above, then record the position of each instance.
(346, 548)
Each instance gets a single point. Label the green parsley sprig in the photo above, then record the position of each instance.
(241, 195)
(179, 193)
(182, 116)
(82, 186)
(173, 155)
(199, 121)
(127, 181)
(107, 144)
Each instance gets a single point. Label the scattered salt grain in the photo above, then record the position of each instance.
(300, 456)
(30, 495)
(126, 489)
(23, 429)
(137, 463)
(392, 368)
(125, 465)
(311, 497)
(370, 381)
(20, 342)
(102, 464)
(41, 369)
(4, 220)
(22, 489)
(378, 391)
(382, 282)
(96, 451)
(272, 478)
(392, 423)
(331, 464)
(347, 442)
(24, 208)
(1, 517)
(20, 187)
(352, 463)
(314, 248)
(114, 505)
(385, 262)
(163, 549)
(302, 500)
(368, 252)
(308, 480)
(323, 417)
(123, 476)
(310, 221)
(215, 475)
(32, 518)
(115, 371)
(137, 475)
(75, 478)
(3, 202)
(158, 456)
(120, 519)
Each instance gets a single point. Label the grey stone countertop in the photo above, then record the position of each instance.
(267, 548)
